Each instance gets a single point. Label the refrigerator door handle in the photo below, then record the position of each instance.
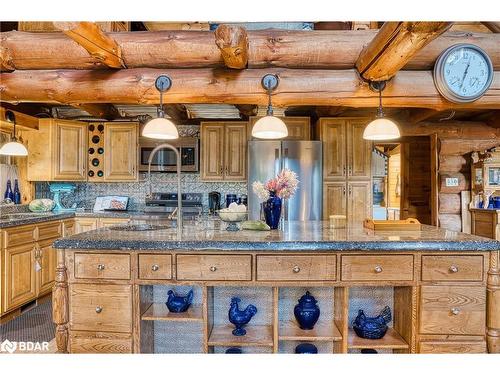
(285, 157)
(277, 160)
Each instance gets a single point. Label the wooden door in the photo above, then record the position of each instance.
(334, 199)
(69, 151)
(48, 262)
(212, 151)
(120, 151)
(333, 135)
(359, 201)
(359, 151)
(84, 225)
(235, 151)
(20, 280)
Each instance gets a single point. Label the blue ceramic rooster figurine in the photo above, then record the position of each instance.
(372, 328)
(240, 317)
(178, 304)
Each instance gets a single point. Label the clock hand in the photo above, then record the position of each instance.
(465, 74)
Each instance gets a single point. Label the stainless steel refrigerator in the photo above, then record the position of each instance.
(267, 158)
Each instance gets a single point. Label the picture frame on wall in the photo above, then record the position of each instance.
(492, 176)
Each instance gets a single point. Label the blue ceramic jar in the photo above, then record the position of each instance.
(306, 348)
(307, 311)
(272, 210)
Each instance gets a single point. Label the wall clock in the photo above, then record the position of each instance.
(463, 73)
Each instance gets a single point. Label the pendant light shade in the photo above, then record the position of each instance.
(382, 128)
(161, 127)
(14, 147)
(269, 126)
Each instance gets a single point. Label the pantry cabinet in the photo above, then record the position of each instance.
(120, 151)
(57, 151)
(346, 168)
(299, 128)
(223, 151)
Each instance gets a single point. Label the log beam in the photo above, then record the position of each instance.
(104, 111)
(494, 27)
(97, 43)
(176, 112)
(394, 45)
(233, 44)
(419, 115)
(322, 87)
(23, 121)
(196, 49)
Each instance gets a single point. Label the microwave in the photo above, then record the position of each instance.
(164, 160)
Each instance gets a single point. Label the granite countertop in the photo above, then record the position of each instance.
(26, 218)
(308, 236)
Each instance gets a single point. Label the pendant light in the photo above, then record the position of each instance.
(269, 126)
(14, 147)
(382, 128)
(161, 127)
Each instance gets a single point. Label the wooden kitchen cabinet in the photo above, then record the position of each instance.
(358, 201)
(57, 151)
(120, 151)
(359, 151)
(223, 151)
(333, 135)
(334, 202)
(299, 128)
(47, 259)
(20, 275)
(85, 224)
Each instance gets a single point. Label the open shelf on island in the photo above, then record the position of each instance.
(256, 336)
(391, 340)
(159, 311)
(290, 331)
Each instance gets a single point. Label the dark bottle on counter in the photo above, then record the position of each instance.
(17, 193)
(9, 194)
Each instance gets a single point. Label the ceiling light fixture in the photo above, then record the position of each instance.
(14, 147)
(269, 126)
(381, 128)
(161, 127)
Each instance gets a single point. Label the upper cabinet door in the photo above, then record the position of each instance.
(359, 151)
(212, 151)
(70, 151)
(235, 151)
(299, 128)
(333, 135)
(120, 151)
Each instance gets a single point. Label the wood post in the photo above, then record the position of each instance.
(60, 303)
(394, 45)
(98, 44)
(233, 44)
(493, 304)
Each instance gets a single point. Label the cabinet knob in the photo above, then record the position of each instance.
(100, 267)
(296, 269)
(455, 311)
(453, 269)
(213, 268)
(155, 267)
(378, 269)
(98, 309)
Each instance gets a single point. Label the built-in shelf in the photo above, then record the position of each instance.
(391, 340)
(290, 331)
(159, 311)
(256, 336)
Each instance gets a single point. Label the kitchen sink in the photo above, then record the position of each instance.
(139, 227)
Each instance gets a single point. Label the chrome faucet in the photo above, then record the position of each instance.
(179, 194)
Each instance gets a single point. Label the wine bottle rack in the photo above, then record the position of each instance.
(95, 152)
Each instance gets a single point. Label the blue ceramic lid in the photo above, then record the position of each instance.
(307, 298)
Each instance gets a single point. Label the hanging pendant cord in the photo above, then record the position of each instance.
(160, 108)
(269, 104)
(380, 112)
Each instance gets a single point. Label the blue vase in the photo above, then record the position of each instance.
(307, 311)
(306, 348)
(272, 210)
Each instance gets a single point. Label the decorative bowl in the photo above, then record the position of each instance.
(232, 217)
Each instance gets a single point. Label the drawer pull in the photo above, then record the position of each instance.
(100, 267)
(455, 311)
(155, 267)
(378, 269)
(213, 268)
(296, 269)
(98, 309)
(453, 269)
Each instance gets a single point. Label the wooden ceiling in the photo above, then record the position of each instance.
(324, 72)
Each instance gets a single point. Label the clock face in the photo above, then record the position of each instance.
(463, 73)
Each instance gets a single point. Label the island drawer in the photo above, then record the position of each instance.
(99, 342)
(452, 267)
(155, 266)
(296, 267)
(452, 310)
(102, 266)
(214, 267)
(98, 307)
(452, 347)
(19, 236)
(49, 230)
(377, 267)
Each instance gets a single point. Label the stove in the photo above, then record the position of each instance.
(167, 203)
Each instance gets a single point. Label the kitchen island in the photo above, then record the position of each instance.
(111, 287)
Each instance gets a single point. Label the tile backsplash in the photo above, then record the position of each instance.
(86, 192)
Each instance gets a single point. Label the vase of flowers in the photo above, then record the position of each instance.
(283, 186)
